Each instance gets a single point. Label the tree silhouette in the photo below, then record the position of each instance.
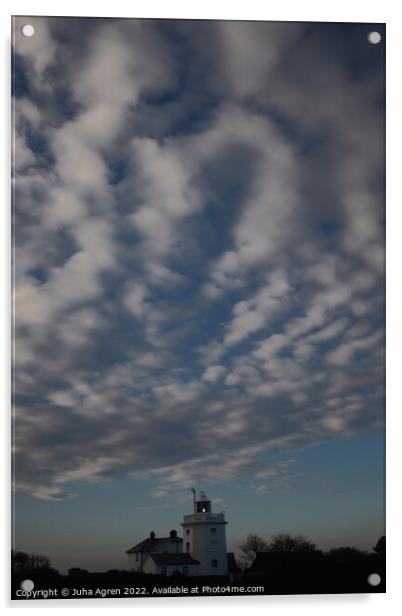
(20, 561)
(287, 543)
(74, 571)
(344, 555)
(379, 547)
(250, 547)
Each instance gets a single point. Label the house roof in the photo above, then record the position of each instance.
(150, 544)
(174, 559)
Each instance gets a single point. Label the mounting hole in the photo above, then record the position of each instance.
(374, 38)
(374, 579)
(28, 30)
(27, 585)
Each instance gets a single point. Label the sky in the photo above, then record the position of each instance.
(198, 281)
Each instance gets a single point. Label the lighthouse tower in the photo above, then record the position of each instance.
(204, 537)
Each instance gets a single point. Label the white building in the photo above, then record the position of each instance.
(202, 551)
(204, 537)
(169, 564)
(161, 556)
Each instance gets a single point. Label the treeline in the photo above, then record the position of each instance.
(293, 564)
(295, 544)
(284, 565)
(32, 566)
(20, 561)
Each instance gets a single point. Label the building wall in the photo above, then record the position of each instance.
(133, 563)
(205, 545)
(151, 567)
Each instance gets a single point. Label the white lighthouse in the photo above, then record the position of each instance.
(204, 537)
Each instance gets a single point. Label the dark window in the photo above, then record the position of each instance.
(214, 563)
(187, 546)
(212, 530)
(203, 507)
(187, 531)
(137, 557)
(185, 570)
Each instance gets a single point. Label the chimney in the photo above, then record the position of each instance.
(152, 535)
(173, 533)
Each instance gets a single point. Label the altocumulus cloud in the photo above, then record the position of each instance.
(199, 248)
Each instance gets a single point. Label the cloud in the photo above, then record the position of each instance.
(263, 224)
(344, 353)
(178, 391)
(41, 48)
(159, 275)
(251, 50)
(159, 493)
(213, 373)
(253, 314)
(165, 198)
(198, 251)
(134, 300)
(269, 348)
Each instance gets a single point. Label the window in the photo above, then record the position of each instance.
(185, 570)
(187, 531)
(187, 546)
(212, 530)
(137, 557)
(214, 563)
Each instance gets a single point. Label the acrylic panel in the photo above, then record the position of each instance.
(199, 308)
